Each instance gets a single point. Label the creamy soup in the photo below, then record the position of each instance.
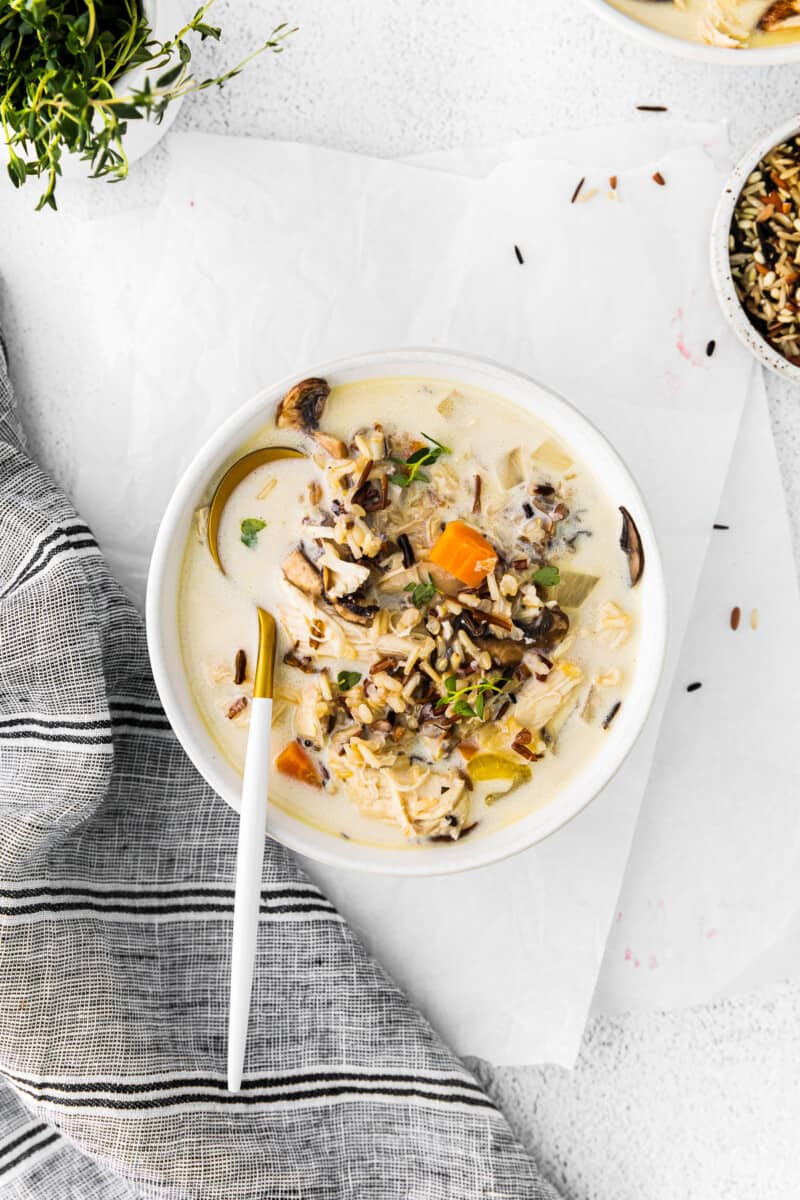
(733, 24)
(457, 609)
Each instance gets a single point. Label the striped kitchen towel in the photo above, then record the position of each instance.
(116, 862)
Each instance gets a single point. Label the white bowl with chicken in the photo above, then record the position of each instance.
(471, 607)
(741, 33)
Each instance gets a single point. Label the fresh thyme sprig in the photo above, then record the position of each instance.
(411, 467)
(60, 62)
(477, 692)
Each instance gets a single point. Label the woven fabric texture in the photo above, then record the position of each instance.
(116, 869)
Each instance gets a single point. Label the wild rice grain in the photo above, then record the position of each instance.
(693, 687)
(239, 667)
(518, 253)
(652, 107)
(577, 191)
(710, 348)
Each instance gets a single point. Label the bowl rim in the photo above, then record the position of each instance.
(161, 606)
(720, 55)
(721, 274)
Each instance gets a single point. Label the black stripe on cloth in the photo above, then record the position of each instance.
(54, 723)
(187, 893)
(160, 910)
(144, 707)
(72, 739)
(156, 725)
(28, 1153)
(30, 1132)
(77, 529)
(474, 1100)
(55, 552)
(260, 1083)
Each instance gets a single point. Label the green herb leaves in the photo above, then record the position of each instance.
(346, 680)
(547, 577)
(61, 70)
(250, 529)
(470, 700)
(411, 467)
(422, 593)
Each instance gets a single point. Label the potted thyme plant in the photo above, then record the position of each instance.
(74, 74)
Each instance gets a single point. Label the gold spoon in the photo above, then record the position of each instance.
(255, 784)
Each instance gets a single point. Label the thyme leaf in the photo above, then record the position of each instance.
(422, 593)
(346, 680)
(411, 467)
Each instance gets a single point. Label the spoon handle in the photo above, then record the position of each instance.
(249, 863)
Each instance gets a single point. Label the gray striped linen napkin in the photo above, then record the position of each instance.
(116, 862)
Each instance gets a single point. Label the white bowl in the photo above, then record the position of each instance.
(762, 56)
(164, 642)
(720, 257)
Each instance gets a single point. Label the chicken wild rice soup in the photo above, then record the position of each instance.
(730, 24)
(456, 603)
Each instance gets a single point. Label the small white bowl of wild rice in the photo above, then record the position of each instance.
(755, 250)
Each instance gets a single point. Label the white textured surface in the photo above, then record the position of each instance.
(704, 1104)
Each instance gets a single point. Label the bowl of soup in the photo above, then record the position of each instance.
(734, 32)
(470, 607)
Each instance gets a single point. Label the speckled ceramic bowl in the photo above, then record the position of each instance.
(762, 56)
(724, 286)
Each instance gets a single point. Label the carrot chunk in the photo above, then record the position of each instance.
(464, 552)
(294, 762)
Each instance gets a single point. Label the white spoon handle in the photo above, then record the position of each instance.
(249, 863)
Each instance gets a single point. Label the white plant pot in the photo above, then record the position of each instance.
(166, 18)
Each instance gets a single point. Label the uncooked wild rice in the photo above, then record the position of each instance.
(765, 248)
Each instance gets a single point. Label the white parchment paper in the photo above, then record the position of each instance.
(611, 307)
(262, 258)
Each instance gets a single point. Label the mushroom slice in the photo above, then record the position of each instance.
(631, 543)
(351, 610)
(333, 446)
(303, 405)
(302, 573)
(547, 629)
(782, 14)
(503, 651)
